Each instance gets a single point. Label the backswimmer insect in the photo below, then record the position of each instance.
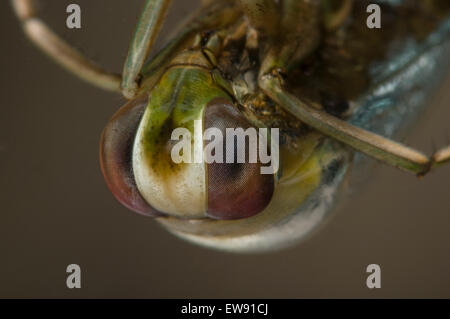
(311, 68)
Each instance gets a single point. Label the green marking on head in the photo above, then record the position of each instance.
(178, 100)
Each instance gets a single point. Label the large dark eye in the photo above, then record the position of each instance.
(115, 156)
(235, 190)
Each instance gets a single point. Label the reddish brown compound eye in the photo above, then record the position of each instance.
(115, 156)
(235, 190)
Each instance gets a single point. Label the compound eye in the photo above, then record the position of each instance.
(115, 156)
(235, 190)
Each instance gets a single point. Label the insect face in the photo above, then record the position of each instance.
(204, 198)
(186, 97)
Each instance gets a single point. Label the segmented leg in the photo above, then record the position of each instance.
(371, 144)
(138, 76)
(61, 51)
(145, 35)
(442, 156)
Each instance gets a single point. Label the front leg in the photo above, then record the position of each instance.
(136, 75)
(145, 35)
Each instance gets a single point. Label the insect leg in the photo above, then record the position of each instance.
(264, 15)
(442, 156)
(214, 15)
(145, 35)
(61, 51)
(371, 144)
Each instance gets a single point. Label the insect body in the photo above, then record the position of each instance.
(310, 69)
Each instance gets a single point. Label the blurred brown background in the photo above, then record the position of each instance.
(56, 210)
